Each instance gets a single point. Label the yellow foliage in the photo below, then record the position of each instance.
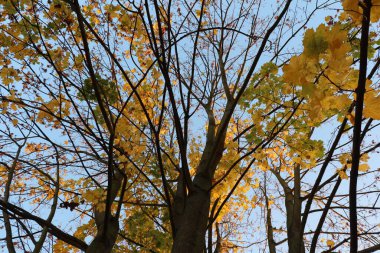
(353, 9)
(371, 105)
(351, 118)
(53, 110)
(363, 167)
(300, 70)
(322, 71)
(342, 174)
(62, 247)
(330, 243)
(314, 43)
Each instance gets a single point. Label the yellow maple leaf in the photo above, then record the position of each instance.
(14, 106)
(371, 105)
(354, 10)
(314, 42)
(363, 167)
(300, 70)
(351, 7)
(330, 243)
(342, 174)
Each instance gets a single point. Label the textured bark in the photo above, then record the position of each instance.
(271, 242)
(293, 223)
(191, 230)
(7, 223)
(295, 237)
(102, 244)
(191, 211)
(293, 204)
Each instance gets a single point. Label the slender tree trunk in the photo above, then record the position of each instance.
(293, 212)
(271, 242)
(269, 227)
(7, 223)
(356, 140)
(297, 206)
(218, 246)
(295, 241)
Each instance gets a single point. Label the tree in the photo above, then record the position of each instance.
(161, 126)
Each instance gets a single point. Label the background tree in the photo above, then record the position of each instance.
(173, 126)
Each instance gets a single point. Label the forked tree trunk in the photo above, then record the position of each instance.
(105, 244)
(191, 208)
(294, 228)
(293, 205)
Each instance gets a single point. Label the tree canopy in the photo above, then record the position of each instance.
(199, 127)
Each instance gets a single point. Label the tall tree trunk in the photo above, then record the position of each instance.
(296, 232)
(356, 139)
(191, 210)
(293, 206)
(295, 238)
(192, 225)
(292, 236)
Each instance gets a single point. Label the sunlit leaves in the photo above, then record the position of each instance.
(53, 111)
(49, 90)
(345, 160)
(353, 9)
(314, 42)
(330, 243)
(323, 71)
(372, 105)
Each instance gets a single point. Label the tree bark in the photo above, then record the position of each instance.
(293, 224)
(269, 227)
(191, 211)
(295, 239)
(103, 243)
(356, 140)
(293, 204)
(192, 225)
(271, 242)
